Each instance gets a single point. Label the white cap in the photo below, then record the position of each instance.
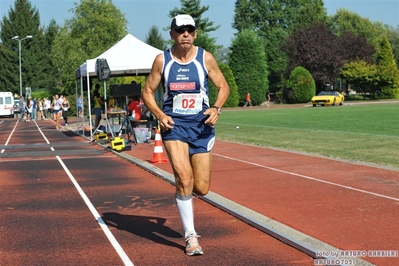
(182, 21)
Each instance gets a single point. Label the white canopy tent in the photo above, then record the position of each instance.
(128, 57)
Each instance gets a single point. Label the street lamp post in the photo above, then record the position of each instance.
(19, 51)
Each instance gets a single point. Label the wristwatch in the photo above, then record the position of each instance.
(217, 108)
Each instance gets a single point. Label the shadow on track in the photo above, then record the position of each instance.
(148, 227)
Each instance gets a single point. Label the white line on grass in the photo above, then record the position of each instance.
(309, 130)
(308, 177)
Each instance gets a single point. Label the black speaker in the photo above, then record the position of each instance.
(125, 90)
(84, 82)
(102, 69)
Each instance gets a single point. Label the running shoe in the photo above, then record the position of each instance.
(192, 245)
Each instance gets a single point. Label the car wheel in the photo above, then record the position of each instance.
(341, 103)
(333, 104)
(314, 105)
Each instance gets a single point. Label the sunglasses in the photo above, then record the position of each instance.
(184, 29)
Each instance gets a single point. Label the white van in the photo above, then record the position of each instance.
(6, 104)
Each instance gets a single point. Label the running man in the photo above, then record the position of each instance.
(188, 118)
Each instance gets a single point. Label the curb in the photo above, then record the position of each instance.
(292, 237)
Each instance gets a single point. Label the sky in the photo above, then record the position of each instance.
(143, 14)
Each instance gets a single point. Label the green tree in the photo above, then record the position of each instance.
(22, 20)
(385, 56)
(7, 83)
(49, 69)
(205, 41)
(248, 63)
(155, 39)
(94, 28)
(347, 21)
(233, 99)
(316, 49)
(393, 37)
(301, 86)
(43, 73)
(361, 75)
(310, 12)
(272, 21)
(222, 55)
(382, 76)
(388, 70)
(204, 26)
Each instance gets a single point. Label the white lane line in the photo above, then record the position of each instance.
(9, 137)
(41, 132)
(308, 177)
(46, 159)
(96, 215)
(93, 210)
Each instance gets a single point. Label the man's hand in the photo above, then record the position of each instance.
(165, 122)
(213, 116)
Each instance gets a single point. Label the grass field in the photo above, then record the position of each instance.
(355, 132)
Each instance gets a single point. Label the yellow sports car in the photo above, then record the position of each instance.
(328, 98)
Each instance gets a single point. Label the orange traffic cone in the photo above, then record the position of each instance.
(158, 156)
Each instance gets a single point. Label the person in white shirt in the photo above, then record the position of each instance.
(47, 108)
(57, 111)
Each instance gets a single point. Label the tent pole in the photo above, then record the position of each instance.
(89, 101)
(83, 106)
(76, 101)
(82, 125)
(106, 110)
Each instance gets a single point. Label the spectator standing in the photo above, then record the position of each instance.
(248, 100)
(98, 102)
(22, 108)
(268, 98)
(65, 109)
(47, 107)
(79, 105)
(29, 109)
(34, 109)
(40, 109)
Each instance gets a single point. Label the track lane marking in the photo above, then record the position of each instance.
(97, 216)
(9, 137)
(5, 160)
(118, 248)
(308, 177)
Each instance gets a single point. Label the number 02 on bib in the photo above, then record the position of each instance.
(187, 103)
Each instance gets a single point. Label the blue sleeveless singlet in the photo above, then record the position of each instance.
(185, 99)
(186, 94)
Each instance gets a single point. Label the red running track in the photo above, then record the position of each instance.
(353, 207)
(65, 201)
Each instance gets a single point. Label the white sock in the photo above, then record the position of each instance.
(185, 206)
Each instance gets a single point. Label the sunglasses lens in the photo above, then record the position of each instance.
(184, 29)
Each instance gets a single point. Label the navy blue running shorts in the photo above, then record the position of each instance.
(200, 139)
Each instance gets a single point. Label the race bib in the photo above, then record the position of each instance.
(187, 103)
